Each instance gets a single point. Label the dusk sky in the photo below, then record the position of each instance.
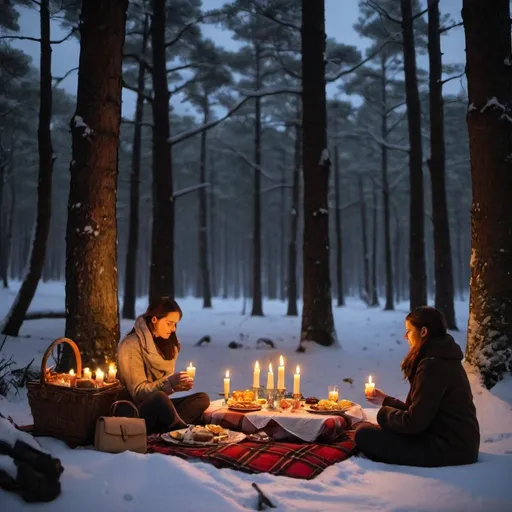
(340, 18)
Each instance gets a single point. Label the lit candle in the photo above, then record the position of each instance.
(256, 376)
(72, 377)
(270, 377)
(100, 376)
(369, 387)
(87, 373)
(280, 373)
(333, 394)
(226, 385)
(71, 372)
(296, 381)
(112, 371)
(191, 370)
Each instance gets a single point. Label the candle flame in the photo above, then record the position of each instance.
(270, 367)
(281, 361)
(190, 363)
(370, 379)
(257, 366)
(227, 374)
(112, 367)
(72, 372)
(297, 371)
(99, 373)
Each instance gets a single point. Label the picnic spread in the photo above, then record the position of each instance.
(256, 430)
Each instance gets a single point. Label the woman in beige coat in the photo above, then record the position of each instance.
(146, 366)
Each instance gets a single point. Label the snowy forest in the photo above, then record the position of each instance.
(268, 187)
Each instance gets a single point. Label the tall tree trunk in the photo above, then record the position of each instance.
(9, 226)
(212, 224)
(161, 278)
(204, 270)
(338, 231)
(389, 306)
(375, 295)
(257, 302)
(294, 218)
(282, 231)
(226, 266)
(130, 279)
(417, 271)
(28, 288)
(317, 319)
(92, 315)
(489, 73)
(459, 253)
(365, 294)
(442, 248)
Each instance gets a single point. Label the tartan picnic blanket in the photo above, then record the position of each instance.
(333, 427)
(293, 460)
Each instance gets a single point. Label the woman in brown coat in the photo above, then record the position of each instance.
(437, 424)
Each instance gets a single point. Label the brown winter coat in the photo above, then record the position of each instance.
(439, 407)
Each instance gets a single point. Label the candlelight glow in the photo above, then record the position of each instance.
(257, 366)
(227, 374)
(297, 371)
(270, 367)
(281, 361)
(72, 372)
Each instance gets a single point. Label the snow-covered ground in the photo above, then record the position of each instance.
(371, 343)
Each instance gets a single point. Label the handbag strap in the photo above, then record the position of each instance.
(113, 407)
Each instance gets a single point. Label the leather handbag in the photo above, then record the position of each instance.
(117, 434)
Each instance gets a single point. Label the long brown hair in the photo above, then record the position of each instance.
(160, 308)
(435, 323)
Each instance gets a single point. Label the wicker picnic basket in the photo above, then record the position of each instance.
(68, 413)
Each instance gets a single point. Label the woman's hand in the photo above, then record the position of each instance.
(377, 398)
(180, 381)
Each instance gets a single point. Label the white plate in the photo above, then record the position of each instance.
(230, 438)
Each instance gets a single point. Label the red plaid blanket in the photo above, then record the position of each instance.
(305, 461)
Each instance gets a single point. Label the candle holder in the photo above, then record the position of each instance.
(271, 399)
(256, 391)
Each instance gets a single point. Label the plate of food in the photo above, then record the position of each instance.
(244, 406)
(327, 407)
(209, 435)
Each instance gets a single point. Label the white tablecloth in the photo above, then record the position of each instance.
(300, 423)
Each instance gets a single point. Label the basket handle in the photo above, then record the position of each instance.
(58, 341)
(113, 407)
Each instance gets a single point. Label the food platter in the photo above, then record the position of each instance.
(229, 437)
(241, 407)
(332, 412)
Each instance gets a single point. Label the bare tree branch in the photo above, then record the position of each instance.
(452, 78)
(124, 120)
(38, 39)
(363, 62)
(59, 80)
(248, 95)
(382, 12)
(146, 96)
(188, 190)
(442, 30)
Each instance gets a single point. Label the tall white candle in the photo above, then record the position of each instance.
(369, 387)
(191, 371)
(296, 381)
(280, 373)
(100, 376)
(270, 377)
(87, 373)
(226, 384)
(256, 376)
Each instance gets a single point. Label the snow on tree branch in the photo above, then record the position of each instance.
(188, 190)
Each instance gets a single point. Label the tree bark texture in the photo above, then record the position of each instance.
(130, 279)
(161, 279)
(91, 252)
(317, 319)
(489, 73)
(417, 272)
(338, 228)
(442, 248)
(37, 253)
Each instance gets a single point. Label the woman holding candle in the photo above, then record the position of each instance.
(437, 424)
(146, 361)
